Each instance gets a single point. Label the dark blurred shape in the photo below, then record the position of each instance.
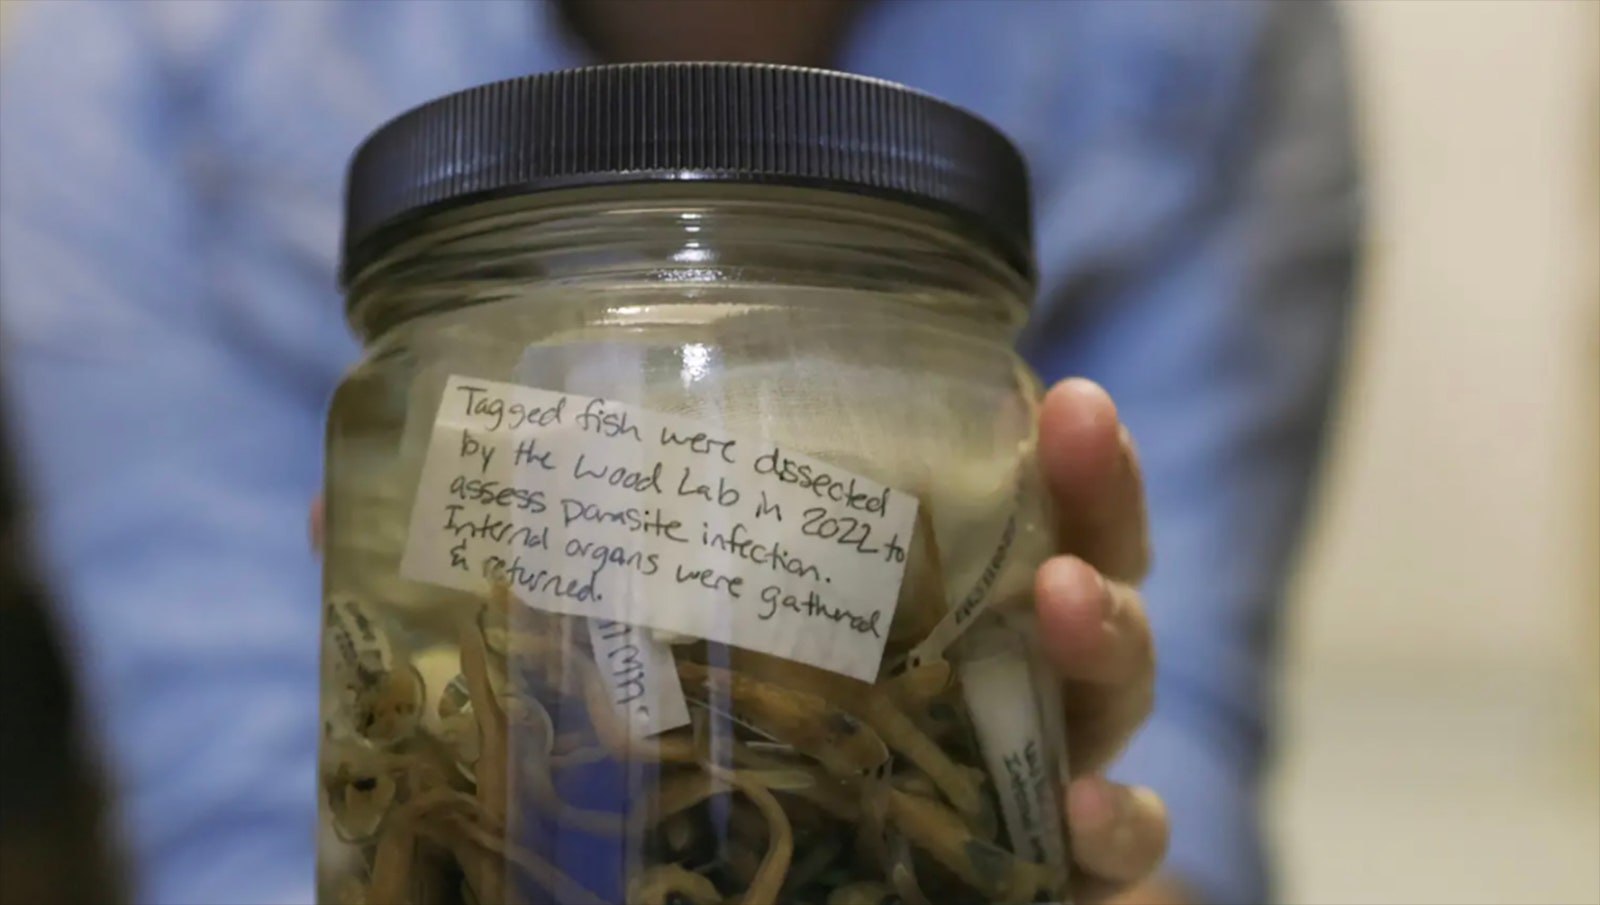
(791, 32)
(55, 838)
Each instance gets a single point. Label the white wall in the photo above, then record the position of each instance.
(1443, 709)
(1452, 508)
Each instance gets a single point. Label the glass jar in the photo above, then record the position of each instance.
(682, 514)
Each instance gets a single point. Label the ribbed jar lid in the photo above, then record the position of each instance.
(674, 122)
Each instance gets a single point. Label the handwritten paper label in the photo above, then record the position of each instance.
(642, 676)
(596, 508)
(999, 689)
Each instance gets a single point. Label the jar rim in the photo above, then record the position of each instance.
(742, 123)
(796, 236)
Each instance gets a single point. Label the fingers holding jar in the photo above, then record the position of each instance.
(1091, 468)
(1118, 832)
(1094, 630)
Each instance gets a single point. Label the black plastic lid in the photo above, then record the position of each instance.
(666, 122)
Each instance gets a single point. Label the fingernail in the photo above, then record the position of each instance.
(1132, 802)
(1057, 578)
(1110, 602)
(1122, 834)
(1094, 802)
(1083, 386)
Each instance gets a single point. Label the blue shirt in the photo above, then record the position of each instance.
(170, 179)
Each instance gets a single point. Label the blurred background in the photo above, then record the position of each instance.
(1442, 706)
(1442, 712)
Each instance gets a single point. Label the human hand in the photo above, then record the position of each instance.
(1093, 627)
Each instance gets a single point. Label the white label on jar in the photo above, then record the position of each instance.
(641, 675)
(1000, 692)
(595, 508)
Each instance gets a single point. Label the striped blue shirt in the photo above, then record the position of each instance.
(170, 178)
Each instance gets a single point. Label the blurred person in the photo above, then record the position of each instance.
(56, 844)
(170, 179)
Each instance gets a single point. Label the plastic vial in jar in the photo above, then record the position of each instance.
(681, 514)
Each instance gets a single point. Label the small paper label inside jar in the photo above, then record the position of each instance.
(999, 688)
(591, 507)
(641, 674)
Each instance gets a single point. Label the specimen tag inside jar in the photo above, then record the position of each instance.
(999, 688)
(594, 508)
(363, 654)
(974, 604)
(642, 675)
